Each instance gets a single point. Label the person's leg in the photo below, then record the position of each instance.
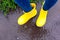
(44, 11)
(29, 11)
(48, 4)
(24, 4)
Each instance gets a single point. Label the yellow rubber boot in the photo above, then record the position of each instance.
(41, 20)
(27, 15)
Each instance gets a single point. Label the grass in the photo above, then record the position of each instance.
(7, 5)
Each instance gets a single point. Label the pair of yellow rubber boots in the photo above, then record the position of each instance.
(41, 20)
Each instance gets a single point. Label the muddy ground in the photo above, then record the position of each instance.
(10, 30)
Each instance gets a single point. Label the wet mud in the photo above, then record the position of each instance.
(10, 30)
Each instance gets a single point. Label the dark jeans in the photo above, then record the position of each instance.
(48, 4)
(25, 4)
